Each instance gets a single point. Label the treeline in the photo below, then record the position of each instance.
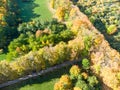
(8, 22)
(35, 35)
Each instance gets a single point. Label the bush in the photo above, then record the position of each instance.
(66, 79)
(66, 35)
(77, 88)
(63, 84)
(75, 71)
(111, 29)
(87, 45)
(29, 63)
(63, 52)
(85, 64)
(6, 72)
(56, 27)
(85, 75)
(118, 75)
(50, 56)
(57, 54)
(60, 13)
(92, 81)
(59, 86)
(82, 84)
(52, 3)
(12, 56)
(76, 46)
(31, 27)
(17, 47)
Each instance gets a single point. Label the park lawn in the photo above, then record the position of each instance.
(2, 56)
(46, 85)
(44, 82)
(34, 10)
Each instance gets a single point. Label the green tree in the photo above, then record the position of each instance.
(85, 63)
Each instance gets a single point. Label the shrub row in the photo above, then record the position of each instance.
(45, 57)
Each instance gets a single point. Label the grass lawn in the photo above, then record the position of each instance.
(2, 56)
(34, 10)
(45, 82)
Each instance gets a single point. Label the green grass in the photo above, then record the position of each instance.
(2, 56)
(45, 82)
(34, 10)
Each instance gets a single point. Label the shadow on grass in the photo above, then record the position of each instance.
(26, 9)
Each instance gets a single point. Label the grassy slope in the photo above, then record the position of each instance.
(34, 10)
(45, 82)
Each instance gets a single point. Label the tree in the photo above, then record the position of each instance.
(92, 81)
(85, 63)
(60, 13)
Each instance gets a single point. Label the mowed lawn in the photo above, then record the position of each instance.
(45, 82)
(34, 10)
(2, 56)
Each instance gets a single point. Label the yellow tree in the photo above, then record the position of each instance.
(60, 13)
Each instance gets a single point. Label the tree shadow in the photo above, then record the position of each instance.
(26, 10)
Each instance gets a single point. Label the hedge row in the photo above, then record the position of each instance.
(45, 57)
